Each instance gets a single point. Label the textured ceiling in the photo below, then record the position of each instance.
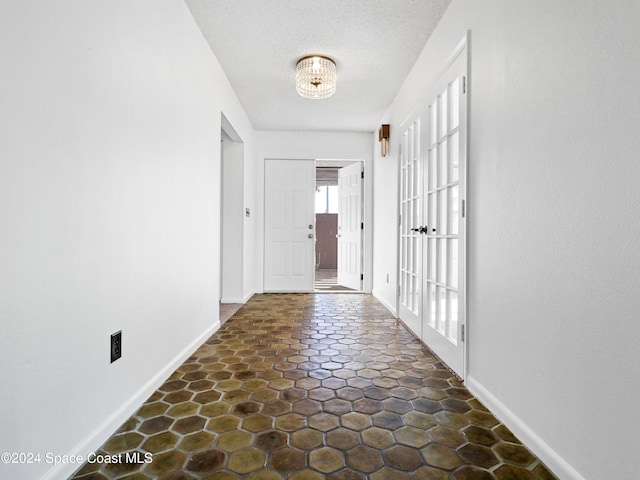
(374, 44)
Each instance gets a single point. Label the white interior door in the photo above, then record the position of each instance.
(350, 226)
(289, 232)
(445, 197)
(411, 183)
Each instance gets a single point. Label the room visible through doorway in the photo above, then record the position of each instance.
(332, 217)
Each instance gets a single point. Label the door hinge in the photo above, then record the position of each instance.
(464, 85)
(399, 220)
(463, 209)
(362, 226)
(398, 290)
(362, 276)
(462, 332)
(362, 174)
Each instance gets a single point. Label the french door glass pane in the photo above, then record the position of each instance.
(453, 210)
(442, 220)
(433, 219)
(442, 310)
(411, 146)
(433, 137)
(454, 93)
(431, 268)
(442, 266)
(431, 304)
(407, 282)
(416, 178)
(455, 157)
(452, 330)
(453, 264)
(432, 172)
(442, 113)
(442, 164)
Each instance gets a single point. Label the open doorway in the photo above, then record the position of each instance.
(338, 202)
(232, 216)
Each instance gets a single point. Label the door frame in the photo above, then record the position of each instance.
(420, 111)
(366, 158)
(231, 216)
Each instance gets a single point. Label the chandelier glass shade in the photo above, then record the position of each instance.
(316, 77)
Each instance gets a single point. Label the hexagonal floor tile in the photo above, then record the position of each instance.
(315, 387)
(326, 460)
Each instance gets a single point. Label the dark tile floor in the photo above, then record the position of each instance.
(308, 387)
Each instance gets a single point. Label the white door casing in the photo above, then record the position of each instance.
(432, 266)
(350, 226)
(289, 226)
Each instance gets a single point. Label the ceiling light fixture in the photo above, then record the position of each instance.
(316, 77)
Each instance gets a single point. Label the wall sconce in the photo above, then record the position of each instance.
(383, 138)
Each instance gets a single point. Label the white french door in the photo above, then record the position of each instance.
(433, 224)
(445, 197)
(411, 183)
(349, 226)
(289, 231)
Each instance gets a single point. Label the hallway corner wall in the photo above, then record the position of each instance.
(110, 214)
(552, 221)
(385, 214)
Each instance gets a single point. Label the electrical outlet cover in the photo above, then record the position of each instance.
(116, 346)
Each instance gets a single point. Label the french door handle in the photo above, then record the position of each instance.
(422, 230)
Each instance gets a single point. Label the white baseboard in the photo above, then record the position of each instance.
(388, 306)
(558, 465)
(248, 296)
(242, 300)
(231, 300)
(94, 440)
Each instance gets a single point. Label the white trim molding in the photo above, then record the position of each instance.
(552, 459)
(386, 304)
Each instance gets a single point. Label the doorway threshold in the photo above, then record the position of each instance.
(338, 291)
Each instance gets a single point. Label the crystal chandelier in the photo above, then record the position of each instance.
(316, 77)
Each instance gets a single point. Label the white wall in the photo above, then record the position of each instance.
(317, 146)
(110, 211)
(385, 219)
(553, 222)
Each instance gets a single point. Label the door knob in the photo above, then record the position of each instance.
(310, 227)
(310, 235)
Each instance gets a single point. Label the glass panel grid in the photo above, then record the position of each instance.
(411, 218)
